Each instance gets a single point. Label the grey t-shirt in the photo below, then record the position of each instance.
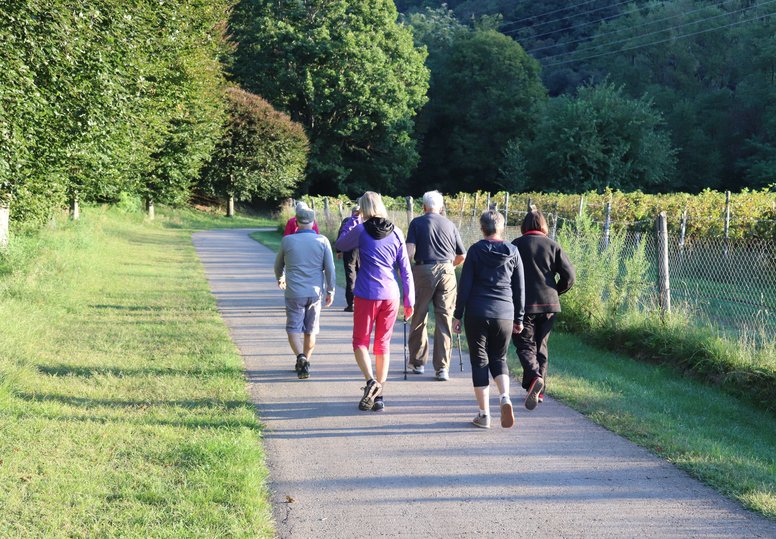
(308, 262)
(435, 238)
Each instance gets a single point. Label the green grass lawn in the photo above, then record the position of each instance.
(729, 444)
(123, 407)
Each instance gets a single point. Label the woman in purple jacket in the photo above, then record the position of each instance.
(376, 305)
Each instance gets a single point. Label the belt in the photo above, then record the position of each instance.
(431, 262)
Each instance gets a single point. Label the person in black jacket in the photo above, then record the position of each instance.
(491, 293)
(350, 263)
(543, 260)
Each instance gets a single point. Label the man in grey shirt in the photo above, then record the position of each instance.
(308, 263)
(435, 244)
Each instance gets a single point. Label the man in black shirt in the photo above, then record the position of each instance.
(435, 244)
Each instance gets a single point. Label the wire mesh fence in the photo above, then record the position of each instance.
(728, 283)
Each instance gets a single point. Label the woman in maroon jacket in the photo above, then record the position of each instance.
(543, 260)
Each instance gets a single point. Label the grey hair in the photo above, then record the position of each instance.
(491, 222)
(433, 200)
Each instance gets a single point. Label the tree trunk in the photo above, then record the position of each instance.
(75, 210)
(5, 214)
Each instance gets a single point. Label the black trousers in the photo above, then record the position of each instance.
(350, 261)
(488, 344)
(531, 345)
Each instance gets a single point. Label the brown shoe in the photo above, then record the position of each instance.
(507, 414)
(534, 390)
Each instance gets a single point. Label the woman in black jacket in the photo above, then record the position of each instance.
(543, 261)
(491, 293)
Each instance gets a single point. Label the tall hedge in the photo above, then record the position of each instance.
(103, 97)
(262, 154)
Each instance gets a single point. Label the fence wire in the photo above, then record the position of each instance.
(729, 284)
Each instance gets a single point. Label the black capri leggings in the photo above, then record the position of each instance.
(488, 340)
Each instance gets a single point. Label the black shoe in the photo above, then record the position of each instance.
(303, 367)
(300, 361)
(370, 392)
(348, 309)
(304, 374)
(379, 404)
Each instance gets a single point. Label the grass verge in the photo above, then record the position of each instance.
(719, 439)
(123, 407)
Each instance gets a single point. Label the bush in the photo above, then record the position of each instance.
(262, 153)
(106, 97)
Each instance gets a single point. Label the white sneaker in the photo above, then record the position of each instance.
(507, 414)
(418, 369)
(442, 375)
(481, 421)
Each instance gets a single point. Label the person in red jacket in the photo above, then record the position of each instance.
(292, 227)
(548, 273)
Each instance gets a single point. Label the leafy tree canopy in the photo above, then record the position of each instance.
(600, 139)
(349, 73)
(262, 154)
(484, 92)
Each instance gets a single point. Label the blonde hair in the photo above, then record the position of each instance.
(371, 205)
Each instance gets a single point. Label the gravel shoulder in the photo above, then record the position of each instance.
(420, 469)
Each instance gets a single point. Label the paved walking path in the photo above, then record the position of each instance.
(420, 469)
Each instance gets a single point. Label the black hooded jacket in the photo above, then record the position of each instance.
(378, 228)
(492, 284)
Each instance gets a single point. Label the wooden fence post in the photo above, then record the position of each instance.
(607, 224)
(664, 281)
(554, 229)
(727, 221)
(75, 209)
(5, 218)
(581, 205)
(326, 214)
(683, 231)
(341, 210)
(463, 204)
(476, 204)
(409, 211)
(488, 207)
(506, 209)
(152, 212)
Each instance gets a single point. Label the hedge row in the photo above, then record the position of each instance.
(104, 97)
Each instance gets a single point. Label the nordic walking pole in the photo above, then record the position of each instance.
(406, 353)
(460, 354)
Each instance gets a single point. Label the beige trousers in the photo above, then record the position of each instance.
(434, 284)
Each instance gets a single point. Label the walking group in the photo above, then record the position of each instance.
(507, 291)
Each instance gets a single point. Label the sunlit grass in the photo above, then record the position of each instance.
(727, 443)
(123, 409)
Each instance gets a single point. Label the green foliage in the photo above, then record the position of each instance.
(471, 118)
(105, 98)
(349, 73)
(262, 154)
(753, 213)
(600, 139)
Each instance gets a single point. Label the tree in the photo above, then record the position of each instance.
(349, 73)
(262, 154)
(600, 139)
(483, 94)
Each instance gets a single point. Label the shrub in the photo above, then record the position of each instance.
(262, 153)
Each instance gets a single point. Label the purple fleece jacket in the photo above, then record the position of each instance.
(377, 259)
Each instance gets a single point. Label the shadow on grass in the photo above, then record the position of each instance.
(120, 372)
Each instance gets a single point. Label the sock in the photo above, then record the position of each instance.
(484, 412)
(503, 395)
